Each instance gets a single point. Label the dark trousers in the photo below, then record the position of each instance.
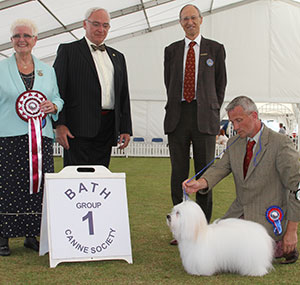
(93, 151)
(187, 133)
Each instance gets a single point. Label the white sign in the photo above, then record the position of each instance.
(85, 216)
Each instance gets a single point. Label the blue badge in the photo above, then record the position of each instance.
(43, 122)
(210, 62)
(274, 215)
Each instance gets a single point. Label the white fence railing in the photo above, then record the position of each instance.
(138, 149)
(143, 149)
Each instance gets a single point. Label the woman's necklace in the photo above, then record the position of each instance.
(23, 65)
(27, 79)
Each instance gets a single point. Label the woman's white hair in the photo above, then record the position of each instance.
(94, 9)
(24, 23)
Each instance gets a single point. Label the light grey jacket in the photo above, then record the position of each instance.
(270, 178)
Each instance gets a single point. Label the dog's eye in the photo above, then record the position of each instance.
(177, 213)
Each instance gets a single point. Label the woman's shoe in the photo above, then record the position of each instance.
(32, 243)
(4, 248)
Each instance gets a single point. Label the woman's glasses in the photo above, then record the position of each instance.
(25, 36)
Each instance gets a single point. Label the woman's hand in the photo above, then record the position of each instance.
(48, 107)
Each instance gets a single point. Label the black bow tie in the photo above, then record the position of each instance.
(101, 47)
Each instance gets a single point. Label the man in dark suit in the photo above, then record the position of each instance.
(194, 118)
(92, 80)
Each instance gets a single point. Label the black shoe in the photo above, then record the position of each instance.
(32, 243)
(4, 250)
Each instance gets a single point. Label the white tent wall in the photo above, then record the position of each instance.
(262, 43)
(285, 53)
(244, 31)
(144, 56)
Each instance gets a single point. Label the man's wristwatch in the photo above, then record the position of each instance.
(297, 193)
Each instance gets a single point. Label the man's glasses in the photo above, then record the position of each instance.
(98, 24)
(186, 19)
(25, 36)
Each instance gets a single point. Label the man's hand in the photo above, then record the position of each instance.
(290, 238)
(123, 140)
(194, 185)
(62, 134)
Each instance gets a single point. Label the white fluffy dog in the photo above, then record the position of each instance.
(228, 245)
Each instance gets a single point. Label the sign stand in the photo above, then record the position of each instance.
(85, 216)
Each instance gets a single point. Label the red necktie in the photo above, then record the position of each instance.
(248, 156)
(189, 75)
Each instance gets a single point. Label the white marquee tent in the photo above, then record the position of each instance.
(261, 38)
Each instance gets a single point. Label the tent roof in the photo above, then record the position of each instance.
(61, 21)
(261, 40)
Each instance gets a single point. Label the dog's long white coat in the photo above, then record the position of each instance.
(228, 245)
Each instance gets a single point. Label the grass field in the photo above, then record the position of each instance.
(154, 260)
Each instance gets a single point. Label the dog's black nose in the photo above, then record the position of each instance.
(168, 217)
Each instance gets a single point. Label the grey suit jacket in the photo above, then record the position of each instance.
(211, 83)
(270, 177)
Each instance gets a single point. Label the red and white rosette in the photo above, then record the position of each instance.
(28, 109)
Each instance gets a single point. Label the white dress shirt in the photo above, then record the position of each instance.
(105, 70)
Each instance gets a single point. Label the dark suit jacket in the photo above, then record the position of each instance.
(79, 87)
(211, 83)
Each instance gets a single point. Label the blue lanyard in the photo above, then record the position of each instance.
(254, 161)
(184, 192)
(257, 153)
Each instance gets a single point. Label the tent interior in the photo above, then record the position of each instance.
(261, 39)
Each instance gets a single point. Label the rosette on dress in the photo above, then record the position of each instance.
(28, 109)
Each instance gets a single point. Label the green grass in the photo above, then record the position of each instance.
(154, 260)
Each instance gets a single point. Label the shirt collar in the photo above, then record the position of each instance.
(258, 134)
(196, 40)
(90, 43)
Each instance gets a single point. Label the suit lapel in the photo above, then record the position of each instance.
(85, 50)
(178, 59)
(202, 58)
(179, 54)
(117, 67)
(238, 156)
(13, 70)
(38, 75)
(112, 56)
(259, 151)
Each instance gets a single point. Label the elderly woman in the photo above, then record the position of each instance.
(29, 100)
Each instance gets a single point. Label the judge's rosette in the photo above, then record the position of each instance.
(28, 109)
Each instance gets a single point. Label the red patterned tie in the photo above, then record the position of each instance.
(248, 156)
(189, 75)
